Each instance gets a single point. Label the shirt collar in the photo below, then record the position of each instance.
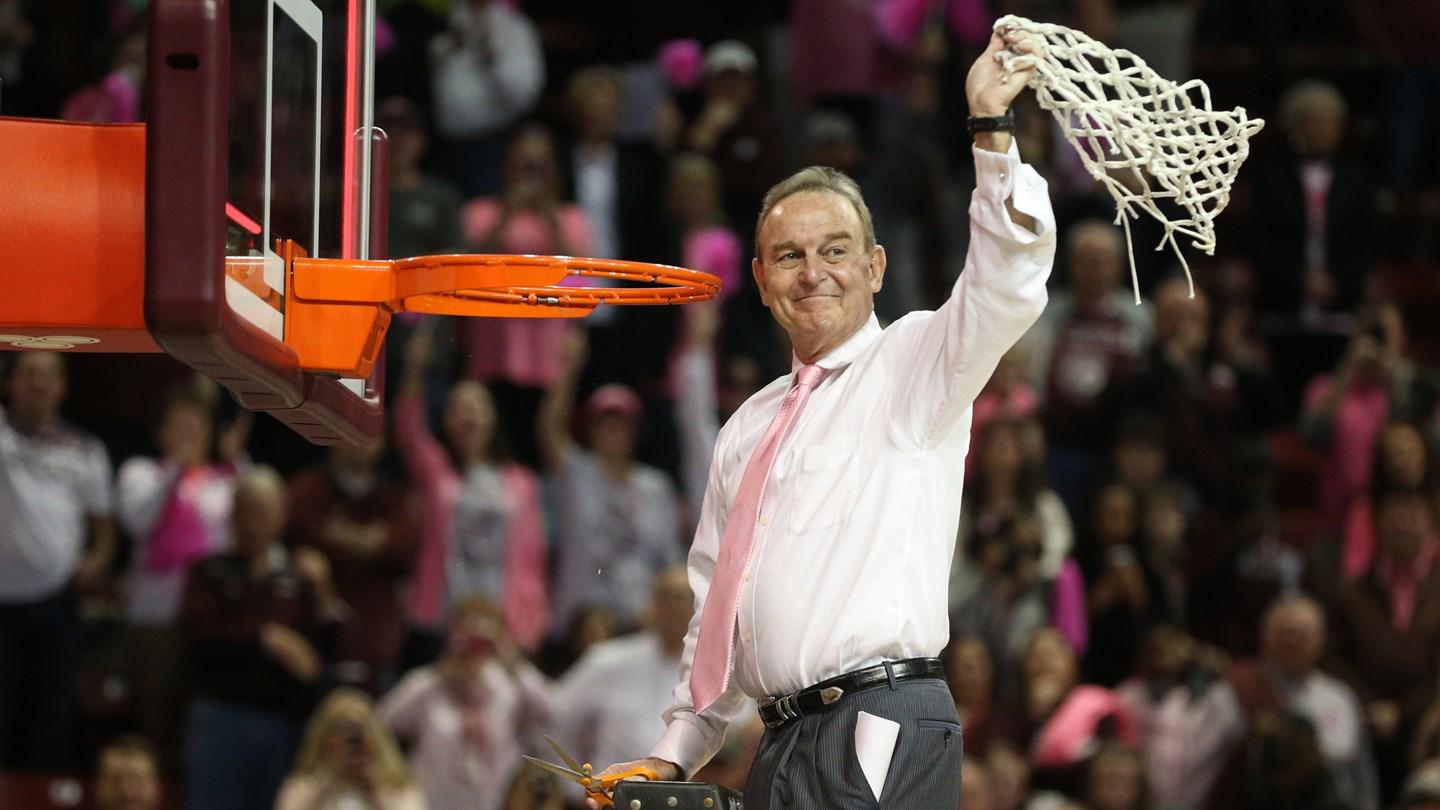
(845, 354)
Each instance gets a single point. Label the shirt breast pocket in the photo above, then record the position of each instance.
(823, 492)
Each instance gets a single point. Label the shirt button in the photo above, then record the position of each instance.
(749, 637)
(1003, 175)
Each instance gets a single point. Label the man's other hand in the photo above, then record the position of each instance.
(664, 771)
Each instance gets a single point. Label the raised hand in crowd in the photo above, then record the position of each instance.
(231, 442)
(291, 651)
(315, 570)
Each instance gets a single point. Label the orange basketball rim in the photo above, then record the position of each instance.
(339, 309)
(73, 265)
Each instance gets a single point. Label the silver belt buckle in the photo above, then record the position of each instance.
(787, 708)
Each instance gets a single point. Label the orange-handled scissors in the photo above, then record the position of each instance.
(596, 787)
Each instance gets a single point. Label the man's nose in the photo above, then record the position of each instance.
(810, 271)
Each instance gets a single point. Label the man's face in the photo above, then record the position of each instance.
(613, 435)
(469, 419)
(1402, 527)
(1095, 264)
(1177, 315)
(815, 272)
(672, 605)
(185, 434)
(1115, 783)
(127, 781)
(258, 518)
(1294, 639)
(734, 86)
(599, 111)
(36, 386)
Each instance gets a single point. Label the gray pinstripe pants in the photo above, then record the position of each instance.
(810, 763)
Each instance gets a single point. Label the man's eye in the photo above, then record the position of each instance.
(837, 251)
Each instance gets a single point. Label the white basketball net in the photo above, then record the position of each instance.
(1124, 119)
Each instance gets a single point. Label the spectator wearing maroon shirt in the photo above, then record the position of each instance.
(970, 673)
(735, 130)
(364, 524)
(1387, 627)
(256, 619)
(1121, 604)
(1236, 560)
(1207, 396)
(1091, 337)
(1304, 730)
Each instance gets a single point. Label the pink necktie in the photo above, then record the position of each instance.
(715, 648)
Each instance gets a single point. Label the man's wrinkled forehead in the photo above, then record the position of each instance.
(845, 216)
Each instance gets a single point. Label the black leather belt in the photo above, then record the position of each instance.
(776, 712)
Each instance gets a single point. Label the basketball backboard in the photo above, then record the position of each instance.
(259, 129)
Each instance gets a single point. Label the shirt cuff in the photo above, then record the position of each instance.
(687, 742)
(1002, 176)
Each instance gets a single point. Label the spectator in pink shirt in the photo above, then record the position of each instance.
(1062, 720)
(175, 508)
(519, 358)
(1402, 462)
(1006, 396)
(1345, 410)
(481, 528)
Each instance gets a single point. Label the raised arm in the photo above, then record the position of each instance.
(692, 375)
(141, 491)
(424, 456)
(947, 356)
(552, 422)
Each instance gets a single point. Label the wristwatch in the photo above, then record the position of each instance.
(1005, 123)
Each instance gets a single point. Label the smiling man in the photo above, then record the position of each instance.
(821, 560)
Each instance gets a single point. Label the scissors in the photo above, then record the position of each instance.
(596, 787)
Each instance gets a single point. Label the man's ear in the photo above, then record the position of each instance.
(758, 270)
(877, 268)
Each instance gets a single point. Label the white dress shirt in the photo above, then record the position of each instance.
(857, 527)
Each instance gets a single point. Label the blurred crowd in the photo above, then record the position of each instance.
(1198, 563)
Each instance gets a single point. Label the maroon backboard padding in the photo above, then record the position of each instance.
(185, 310)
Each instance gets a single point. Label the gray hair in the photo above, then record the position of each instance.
(817, 178)
(260, 478)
